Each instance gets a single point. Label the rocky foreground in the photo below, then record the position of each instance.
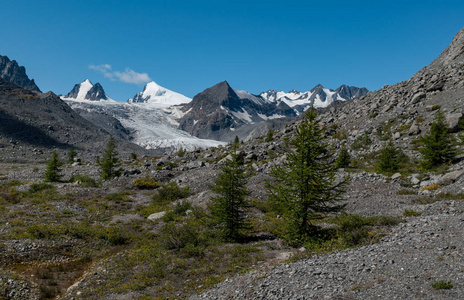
(404, 265)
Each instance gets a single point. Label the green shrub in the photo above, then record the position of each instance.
(179, 210)
(411, 213)
(442, 285)
(406, 192)
(436, 107)
(171, 192)
(84, 180)
(389, 158)
(119, 197)
(177, 236)
(146, 183)
(361, 141)
(36, 187)
(181, 152)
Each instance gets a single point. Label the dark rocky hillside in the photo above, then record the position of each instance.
(32, 123)
(12, 72)
(218, 111)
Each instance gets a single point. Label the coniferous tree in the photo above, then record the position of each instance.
(343, 159)
(229, 207)
(109, 163)
(269, 136)
(439, 146)
(305, 188)
(52, 172)
(389, 158)
(236, 142)
(71, 155)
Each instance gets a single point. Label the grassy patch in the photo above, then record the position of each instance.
(411, 213)
(406, 192)
(146, 183)
(442, 285)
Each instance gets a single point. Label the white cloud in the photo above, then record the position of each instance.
(128, 76)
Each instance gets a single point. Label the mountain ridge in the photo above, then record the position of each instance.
(12, 72)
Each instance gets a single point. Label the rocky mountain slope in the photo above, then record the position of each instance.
(86, 91)
(221, 112)
(416, 255)
(12, 72)
(32, 124)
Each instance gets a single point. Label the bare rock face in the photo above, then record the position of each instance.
(96, 93)
(219, 110)
(12, 72)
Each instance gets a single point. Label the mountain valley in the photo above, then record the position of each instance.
(146, 234)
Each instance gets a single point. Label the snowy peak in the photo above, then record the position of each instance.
(220, 110)
(318, 96)
(86, 91)
(156, 95)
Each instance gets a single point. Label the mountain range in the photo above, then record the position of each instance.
(158, 116)
(218, 112)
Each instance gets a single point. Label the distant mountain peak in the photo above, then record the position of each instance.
(86, 91)
(154, 94)
(12, 72)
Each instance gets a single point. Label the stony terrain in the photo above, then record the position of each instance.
(81, 238)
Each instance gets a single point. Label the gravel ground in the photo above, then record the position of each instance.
(404, 265)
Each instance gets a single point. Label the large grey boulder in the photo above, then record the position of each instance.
(417, 97)
(450, 178)
(452, 120)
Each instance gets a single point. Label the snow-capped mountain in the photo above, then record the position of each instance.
(157, 95)
(86, 91)
(318, 96)
(218, 110)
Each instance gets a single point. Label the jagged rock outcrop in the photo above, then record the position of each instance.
(12, 72)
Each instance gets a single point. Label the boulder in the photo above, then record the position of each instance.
(156, 216)
(452, 120)
(449, 178)
(418, 97)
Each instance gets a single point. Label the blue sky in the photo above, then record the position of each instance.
(188, 46)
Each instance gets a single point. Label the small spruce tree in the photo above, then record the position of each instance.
(269, 136)
(52, 172)
(229, 207)
(109, 163)
(343, 159)
(389, 158)
(236, 143)
(439, 146)
(71, 155)
(305, 187)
